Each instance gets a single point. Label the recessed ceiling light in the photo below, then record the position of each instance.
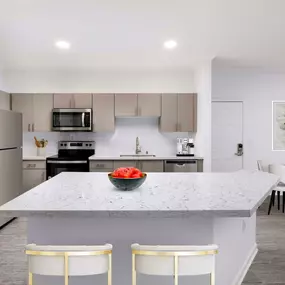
(171, 44)
(62, 45)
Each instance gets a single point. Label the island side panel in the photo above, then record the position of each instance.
(121, 232)
(236, 238)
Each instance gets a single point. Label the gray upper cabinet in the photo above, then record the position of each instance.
(103, 112)
(23, 103)
(168, 120)
(178, 113)
(42, 106)
(36, 111)
(187, 112)
(83, 101)
(126, 105)
(63, 101)
(149, 105)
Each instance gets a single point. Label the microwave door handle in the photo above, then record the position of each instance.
(83, 119)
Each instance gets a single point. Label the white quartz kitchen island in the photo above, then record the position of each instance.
(170, 208)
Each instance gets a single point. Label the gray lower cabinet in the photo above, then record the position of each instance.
(151, 166)
(101, 166)
(125, 163)
(34, 173)
(143, 165)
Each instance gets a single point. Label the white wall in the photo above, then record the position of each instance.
(203, 136)
(96, 82)
(128, 81)
(257, 89)
(122, 141)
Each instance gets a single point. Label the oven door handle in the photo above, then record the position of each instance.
(67, 162)
(83, 119)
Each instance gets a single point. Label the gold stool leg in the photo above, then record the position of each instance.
(30, 278)
(134, 277)
(66, 271)
(175, 270)
(110, 270)
(212, 278)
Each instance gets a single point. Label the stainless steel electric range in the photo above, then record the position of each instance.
(72, 156)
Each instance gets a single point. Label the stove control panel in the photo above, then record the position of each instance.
(76, 145)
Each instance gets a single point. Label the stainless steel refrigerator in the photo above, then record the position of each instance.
(10, 157)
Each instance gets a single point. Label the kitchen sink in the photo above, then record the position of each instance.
(137, 155)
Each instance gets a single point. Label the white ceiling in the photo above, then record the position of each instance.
(130, 33)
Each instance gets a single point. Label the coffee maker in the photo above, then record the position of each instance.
(185, 147)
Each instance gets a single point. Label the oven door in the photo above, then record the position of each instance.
(55, 167)
(72, 120)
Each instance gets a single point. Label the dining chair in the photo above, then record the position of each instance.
(66, 261)
(277, 169)
(260, 165)
(173, 261)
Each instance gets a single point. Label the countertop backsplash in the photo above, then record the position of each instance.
(122, 141)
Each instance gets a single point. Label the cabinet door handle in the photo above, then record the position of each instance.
(33, 127)
(43, 176)
(31, 165)
(29, 127)
(98, 165)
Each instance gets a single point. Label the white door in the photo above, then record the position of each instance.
(227, 138)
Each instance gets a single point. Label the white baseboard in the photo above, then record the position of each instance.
(240, 276)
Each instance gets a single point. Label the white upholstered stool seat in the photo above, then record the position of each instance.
(69, 260)
(174, 261)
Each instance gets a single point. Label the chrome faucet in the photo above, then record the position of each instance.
(138, 147)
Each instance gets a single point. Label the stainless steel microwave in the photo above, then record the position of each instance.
(72, 120)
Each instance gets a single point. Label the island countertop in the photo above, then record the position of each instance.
(162, 195)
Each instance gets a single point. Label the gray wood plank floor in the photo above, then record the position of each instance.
(268, 267)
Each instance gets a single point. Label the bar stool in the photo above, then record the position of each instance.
(69, 261)
(173, 261)
(277, 169)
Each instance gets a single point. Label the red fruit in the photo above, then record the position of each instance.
(135, 176)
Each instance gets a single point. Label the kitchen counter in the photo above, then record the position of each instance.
(96, 157)
(163, 194)
(169, 208)
(35, 157)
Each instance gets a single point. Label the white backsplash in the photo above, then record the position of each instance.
(122, 141)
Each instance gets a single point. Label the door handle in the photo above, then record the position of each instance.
(239, 149)
(33, 127)
(83, 119)
(29, 127)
